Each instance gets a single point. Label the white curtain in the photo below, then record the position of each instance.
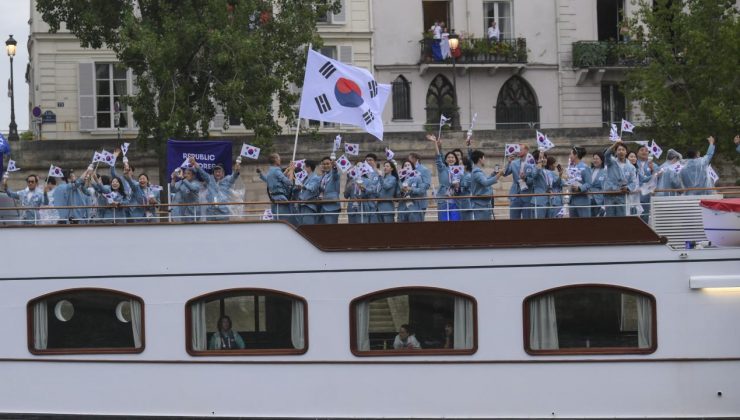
(463, 328)
(199, 337)
(543, 325)
(296, 325)
(363, 326)
(136, 322)
(644, 322)
(40, 326)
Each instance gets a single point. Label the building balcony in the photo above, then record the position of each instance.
(478, 52)
(605, 60)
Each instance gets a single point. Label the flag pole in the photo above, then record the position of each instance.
(298, 123)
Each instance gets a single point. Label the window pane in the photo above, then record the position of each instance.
(103, 103)
(102, 71)
(103, 87)
(248, 321)
(414, 322)
(119, 88)
(119, 72)
(104, 120)
(86, 320)
(590, 318)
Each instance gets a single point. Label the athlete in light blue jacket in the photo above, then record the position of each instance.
(329, 192)
(694, 173)
(279, 188)
(481, 186)
(309, 190)
(621, 176)
(389, 189)
(31, 196)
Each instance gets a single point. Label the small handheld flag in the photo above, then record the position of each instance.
(267, 215)
(389, 154)
(543, 143)
(55, 171)
(12, 167)
(249, 151)
(186, 164)
(457, 171)
(97, 157)
(352, 149)
(655, 150)
(337, 143)
(124, 148)
(530, 159)
(344, 163)
(108, 158)
(470, 130)
(627, 126)
(614, 133)
(712, 175)
(299, 164)
(301, 176)
(110, 197)
(512, 149)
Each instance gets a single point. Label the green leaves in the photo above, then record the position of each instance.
(688, 89)
(192, 58)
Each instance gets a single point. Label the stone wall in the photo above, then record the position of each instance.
(36, 156)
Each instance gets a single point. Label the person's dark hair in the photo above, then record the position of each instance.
(145, 176)
(311, 164)
(456, 151)
(36, 178)
(415, 156)
(457, 162)
(622, 145)
(536, 155)
(408, 328)
(218, 324)
(468, 164)
(631, 153)
(579, 151)
(410, 163)
(105, 179)
(325, 158)
(52, 180)
(120, 189)
(476, 156)
(550, 163)
(273, 158)
(372, 155)
(642, 146)
(66, 174)
(601, 156)
(691, 154)
(394, 170)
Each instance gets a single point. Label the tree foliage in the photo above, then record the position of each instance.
(193, 57)
(689, 87)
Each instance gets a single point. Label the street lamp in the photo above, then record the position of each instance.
(10, 46)
(454, 43)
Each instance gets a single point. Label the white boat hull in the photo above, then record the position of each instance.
(722, 227)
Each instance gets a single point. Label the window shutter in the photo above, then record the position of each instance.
(86, 89)
(340, 17)
(345, 54)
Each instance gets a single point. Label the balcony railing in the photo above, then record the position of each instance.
(607, 54)
(480, 51)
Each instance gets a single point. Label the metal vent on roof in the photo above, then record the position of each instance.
(679, 218)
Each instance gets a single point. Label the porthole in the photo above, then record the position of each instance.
(123, 311)
(64, 310)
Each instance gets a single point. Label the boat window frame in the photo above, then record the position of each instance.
(101, 350)
(394, 291)
(244, 352)
(591, 350)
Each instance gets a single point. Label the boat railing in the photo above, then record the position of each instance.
(256, 210)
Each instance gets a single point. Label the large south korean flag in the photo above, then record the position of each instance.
(338, 93)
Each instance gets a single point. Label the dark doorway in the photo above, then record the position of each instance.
(609, 18)
(434, 11)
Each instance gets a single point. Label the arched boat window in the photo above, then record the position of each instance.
(590, 319)
(86, 321)
(246, 322)
(413, 321)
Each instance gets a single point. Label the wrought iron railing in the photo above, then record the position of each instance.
(479, 51)
(607, 54)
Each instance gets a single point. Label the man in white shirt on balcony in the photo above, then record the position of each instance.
(493, 32)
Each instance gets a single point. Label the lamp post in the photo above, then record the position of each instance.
(454, 43)
(10, 47)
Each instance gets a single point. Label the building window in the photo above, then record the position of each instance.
(401, 99)
(413, 321)
(499, 12)
(516, 106)
(111, 85)
(86, 321)
(591, 319)
(440, 100)
(613, 105)
(247, 322)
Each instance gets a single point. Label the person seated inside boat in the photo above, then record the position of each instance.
(449, 336)
(225, 338)
(406, 340)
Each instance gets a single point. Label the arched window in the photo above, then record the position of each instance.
(401, 99)
(590, 319)
(78, 321)
(440, 100)
(246, 322)
(413, 321)
(516, 106)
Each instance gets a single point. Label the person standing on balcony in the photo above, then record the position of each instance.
(436, 30)
(493, 32)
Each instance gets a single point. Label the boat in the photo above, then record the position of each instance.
(722, 221)
(575, 318)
